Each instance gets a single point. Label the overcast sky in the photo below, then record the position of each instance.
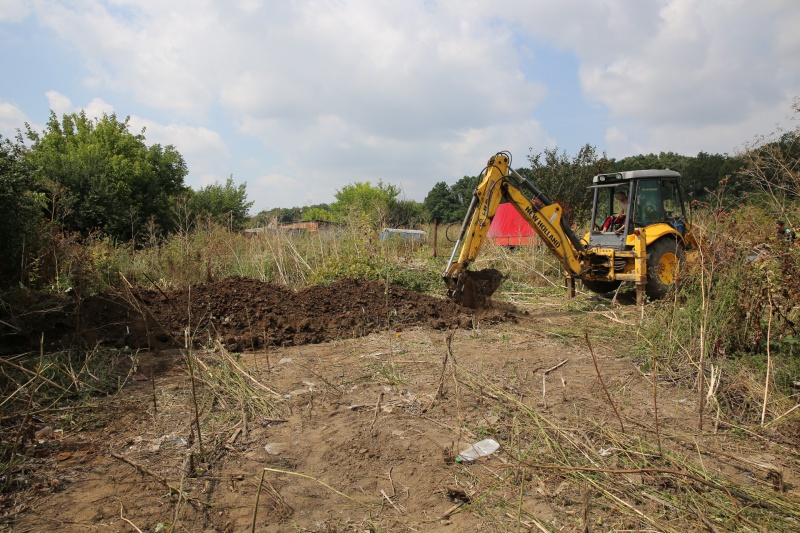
(299, 98)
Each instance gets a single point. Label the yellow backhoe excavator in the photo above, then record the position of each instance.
(639, 232)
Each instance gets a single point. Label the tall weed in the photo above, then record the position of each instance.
(736, 300)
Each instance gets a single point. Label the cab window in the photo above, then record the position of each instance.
(649, 207)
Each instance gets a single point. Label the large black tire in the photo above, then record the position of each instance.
(664, 260)
(601, 287)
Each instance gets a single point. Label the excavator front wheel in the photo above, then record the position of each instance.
(664, 258)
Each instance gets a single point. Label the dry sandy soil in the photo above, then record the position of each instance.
(343, 408)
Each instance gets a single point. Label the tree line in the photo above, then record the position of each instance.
(91, 177)
(566, 178)
(562, 177)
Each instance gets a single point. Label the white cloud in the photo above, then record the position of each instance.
(327, 92)
(97, 107)
(204, 150)
(13, 10)
(276, 180)
(618, 142)
(59, 104)
(203, 180)
(11, 118)
(707, 74)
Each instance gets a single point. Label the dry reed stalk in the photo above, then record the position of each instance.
(298, 259)
(377, 410)
(229, 381)
(25, 419)
(153, 381)
(161, 479)
(790, 411)
(585, 506)
(654, 371)
(258, 496)
(36, 375)
(440, 389)
(278, 262)
(521, 494)
(190, 363)
(315, 480)
(769, 361)
(457, 390)
(397, 508)
(250, 330)
(19, 389)
(322, 378)
(243, 373)
(726, 500)
(122, 516)
(597, 369)
(266, 351)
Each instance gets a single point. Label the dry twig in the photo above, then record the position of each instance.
(594, 359)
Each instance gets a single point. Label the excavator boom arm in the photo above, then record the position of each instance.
(472, 288)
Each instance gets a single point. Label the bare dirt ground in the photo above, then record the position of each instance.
(343, 408)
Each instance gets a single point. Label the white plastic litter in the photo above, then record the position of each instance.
(479, 449)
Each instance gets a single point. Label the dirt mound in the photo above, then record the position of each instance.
(246, 314)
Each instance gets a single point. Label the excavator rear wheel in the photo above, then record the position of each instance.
(664, 258)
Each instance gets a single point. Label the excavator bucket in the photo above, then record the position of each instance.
(474, 288)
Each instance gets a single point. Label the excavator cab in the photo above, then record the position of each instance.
(626, 201)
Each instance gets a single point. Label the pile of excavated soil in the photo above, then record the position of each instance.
(244, 314)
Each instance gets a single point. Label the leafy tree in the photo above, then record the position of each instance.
(664, 160)
(100, 175)
(282, 215)
(20, 206)
(462, 191)
(408, 213)
(704, 172)
(289, 215)
(317, 213)
(566, 179)
(438, 202)
(699, 174)
(366, 202)
(225, 204)
(449, 204)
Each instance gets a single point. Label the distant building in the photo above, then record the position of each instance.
(295, 227)
(411, 235)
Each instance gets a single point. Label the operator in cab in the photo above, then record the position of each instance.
(617, 220)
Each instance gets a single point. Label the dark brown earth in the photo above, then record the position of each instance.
(348, 416)
(244, 314)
